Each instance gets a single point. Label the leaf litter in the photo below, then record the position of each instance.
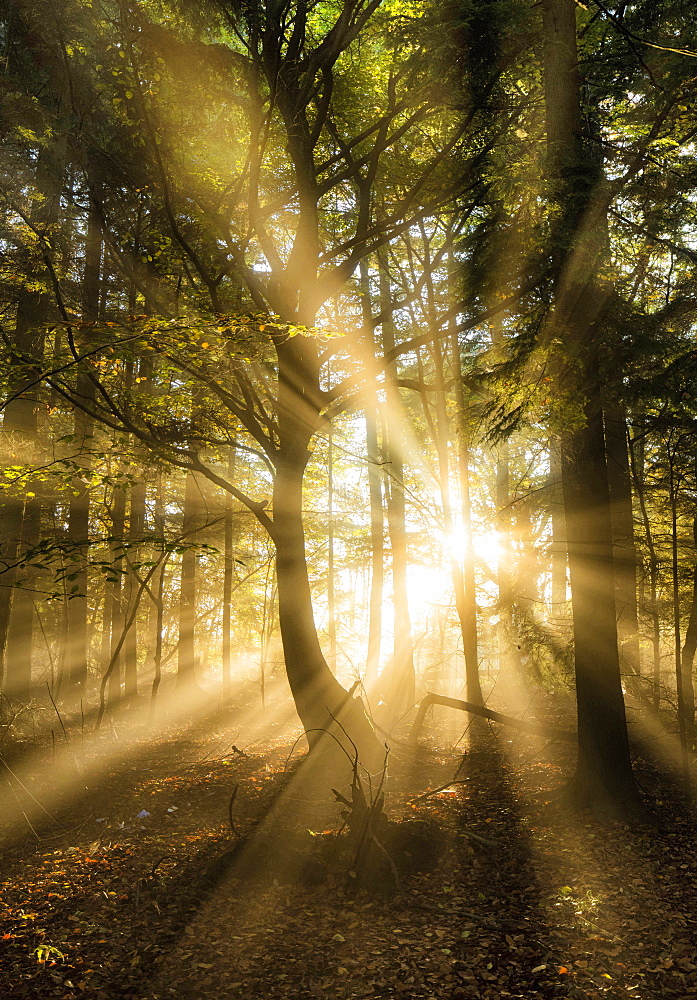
(542, 904)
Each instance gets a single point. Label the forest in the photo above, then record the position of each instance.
(348, 499)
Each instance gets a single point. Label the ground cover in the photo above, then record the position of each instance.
(124, 894)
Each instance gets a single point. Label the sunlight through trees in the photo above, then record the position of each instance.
(348, 350)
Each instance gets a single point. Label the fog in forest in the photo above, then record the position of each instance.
(348, 525)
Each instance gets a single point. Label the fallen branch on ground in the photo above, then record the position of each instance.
(486, 713)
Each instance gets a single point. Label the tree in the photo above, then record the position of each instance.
(604, 773)
(266, 216)
(290, 81)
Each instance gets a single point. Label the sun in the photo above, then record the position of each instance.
(428, 586)
(486, 544)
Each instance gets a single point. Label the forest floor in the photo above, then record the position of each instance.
(119, 894)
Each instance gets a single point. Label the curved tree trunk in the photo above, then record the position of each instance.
(318, 695)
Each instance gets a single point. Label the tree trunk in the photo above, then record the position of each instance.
(468, 613)
(186, 656)
(377, 544)
(527, 575)
(403, 652)
(78, 533)
(79, 514)
(136, 527)
(604, 775)
(114, 608)
(688, 656)
(440, 429)
(624, 548)
(20, 633)
(377, 520)
(267, 627)
(636, 458)
(158, 589)
(681, 684)
(331, 597)
(228, 572)
(603, 779)
(315, 690)
(508, 640)
(559, 555)
(11, 510)
(21, 518)
(20, 421)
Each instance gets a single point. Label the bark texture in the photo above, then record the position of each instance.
(603, 779)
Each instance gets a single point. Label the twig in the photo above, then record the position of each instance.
(435, 791)
(431, 908)
(409, 745)
(482, 840)
(388, 856)
(25, 789)
(210, 752)
(229, 810)
(6, 726)
(21, 808)
(57, 712)
(159, 861)
(316, 729)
